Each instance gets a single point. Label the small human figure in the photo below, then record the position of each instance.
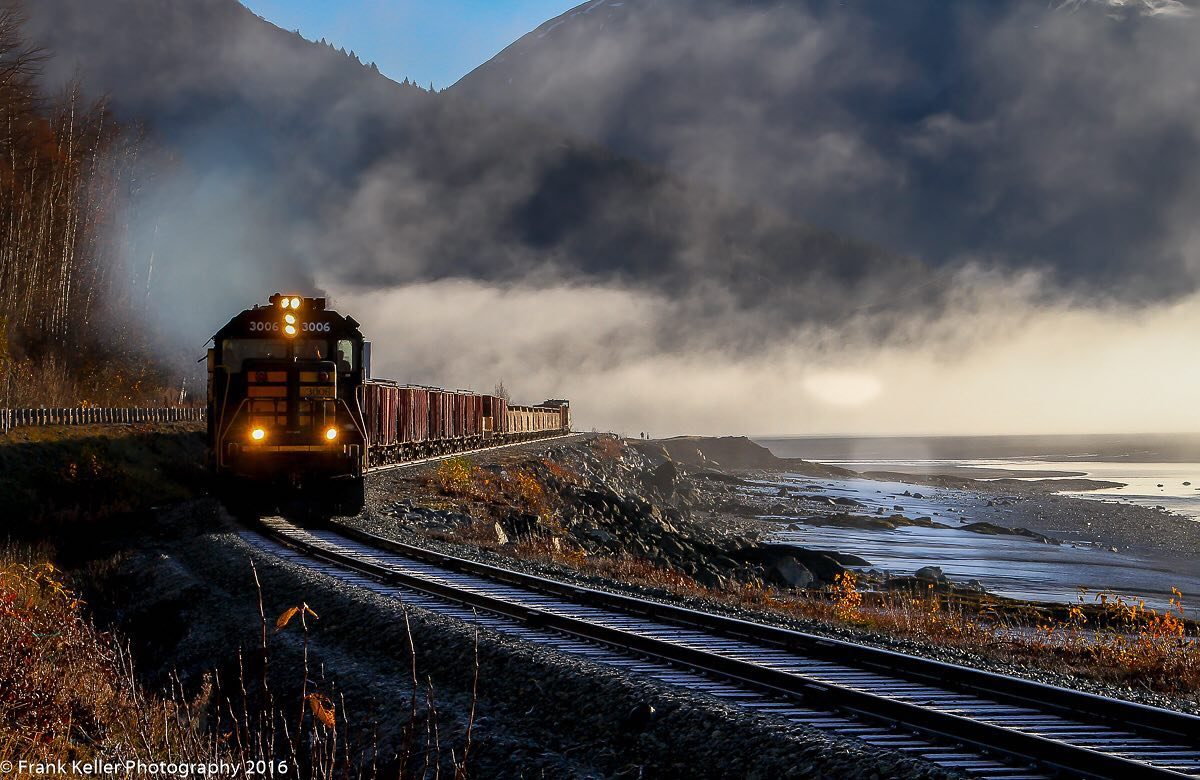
(344, 366)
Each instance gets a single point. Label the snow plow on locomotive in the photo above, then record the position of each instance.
(290, 399)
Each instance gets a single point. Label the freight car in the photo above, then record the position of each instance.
(290, 399)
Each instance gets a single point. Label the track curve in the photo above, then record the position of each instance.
(980, 723)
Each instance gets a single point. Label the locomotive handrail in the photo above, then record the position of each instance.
(36, 416)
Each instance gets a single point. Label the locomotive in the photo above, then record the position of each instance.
(291, 399)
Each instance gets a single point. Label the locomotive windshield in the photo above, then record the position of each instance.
(234, 351)
(312, 349)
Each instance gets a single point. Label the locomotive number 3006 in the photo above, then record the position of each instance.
(307, 327)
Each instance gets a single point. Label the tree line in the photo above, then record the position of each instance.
(67, 177)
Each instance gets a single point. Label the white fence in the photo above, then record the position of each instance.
(98, 415)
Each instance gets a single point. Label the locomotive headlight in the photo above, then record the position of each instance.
(331, 434)
(258, 434)
(295, 303)
(289, 319)
(289, 329)
(285, 302)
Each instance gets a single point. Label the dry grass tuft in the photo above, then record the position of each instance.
(608, 448)
(68, 693)
(1119, 642)
(66, 690)
(455, 476)
(517, 489)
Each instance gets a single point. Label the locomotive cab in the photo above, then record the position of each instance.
(283, 394)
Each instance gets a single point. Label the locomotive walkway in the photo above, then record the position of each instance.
(980, 723)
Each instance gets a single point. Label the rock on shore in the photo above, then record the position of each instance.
(636, 503)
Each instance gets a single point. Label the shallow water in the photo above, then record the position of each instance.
(1006, 565)
(1141, 480)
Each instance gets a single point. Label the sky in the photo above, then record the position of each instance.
(649, 302)
(438, 42)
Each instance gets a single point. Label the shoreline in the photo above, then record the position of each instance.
(962, 525)
(1149, 550)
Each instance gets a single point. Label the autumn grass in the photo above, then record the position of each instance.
(68, 692)
(514, 490)
(607, 448)
(1108, 638)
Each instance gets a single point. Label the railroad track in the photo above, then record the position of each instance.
(979, 723)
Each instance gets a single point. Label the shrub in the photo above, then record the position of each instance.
(68, 692)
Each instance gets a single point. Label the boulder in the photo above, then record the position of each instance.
(671, 546)
(793, 573)
(599, 535)
(823, 565)
(498, 530)
(930, 574)
(664, 477)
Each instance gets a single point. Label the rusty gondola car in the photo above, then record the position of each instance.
(290, 399)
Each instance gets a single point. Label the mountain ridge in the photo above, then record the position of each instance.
(294, 164)
(972, 132)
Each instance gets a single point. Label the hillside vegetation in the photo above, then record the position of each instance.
(67, 175)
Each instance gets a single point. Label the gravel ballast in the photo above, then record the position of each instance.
(539, 712)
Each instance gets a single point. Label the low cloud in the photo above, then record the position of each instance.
(999, 361)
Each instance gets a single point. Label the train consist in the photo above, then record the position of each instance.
(290, 398)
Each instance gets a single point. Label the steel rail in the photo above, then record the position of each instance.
(1083, 760)
(1155, 722)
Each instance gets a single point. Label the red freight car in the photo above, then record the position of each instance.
(414, 414)
(404, 423)
(495, 414)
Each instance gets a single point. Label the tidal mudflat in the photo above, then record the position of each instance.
(1095, 547)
